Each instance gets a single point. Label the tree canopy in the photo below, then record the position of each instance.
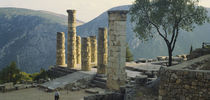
(10, 74)
(166, 18)
(129, 55)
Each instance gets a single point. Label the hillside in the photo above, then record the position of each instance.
(29, 37)
(154, 47)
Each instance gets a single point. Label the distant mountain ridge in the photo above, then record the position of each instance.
(154, 47)
(54, 17)
(29, 37)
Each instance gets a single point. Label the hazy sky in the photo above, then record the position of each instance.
(86, 9)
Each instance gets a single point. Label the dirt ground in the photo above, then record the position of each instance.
(143, 93)
(37, 94)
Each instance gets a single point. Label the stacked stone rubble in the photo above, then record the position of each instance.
(60, 49)
(93, 42)
(116, 75)
(71, 54)
(78, 50)
(86, 54)
(102, 51)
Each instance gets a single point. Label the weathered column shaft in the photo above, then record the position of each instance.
(60, 49)
(78, 50)
(116, 75)
(102, 51)
(71, 54)
(86, 54)
(93, 43)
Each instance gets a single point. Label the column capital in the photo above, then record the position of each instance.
(71, 11)
(117, 15)
(102, 28)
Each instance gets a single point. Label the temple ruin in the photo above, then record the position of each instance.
(78, 50)
(60, 49)
(71, 53)
(86, 54)
(116, 75)
(93, 42)
(102, 51)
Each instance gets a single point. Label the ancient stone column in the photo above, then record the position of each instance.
(78, 50)
(86, 54)
(116, 75)
(60, 49)
(71, 54)
(93, 43)
(102, 51)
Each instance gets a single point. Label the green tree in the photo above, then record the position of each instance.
(42, 75)
(129, 56)
(191, 49)
(10, 74)
(167, 18)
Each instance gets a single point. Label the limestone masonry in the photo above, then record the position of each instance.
(102, 51)
(86, 54)
(186, 81)
(60, 51)
(93, 43)
(71, 53)
(116, 75)
(78, 50)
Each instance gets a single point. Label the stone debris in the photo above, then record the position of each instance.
(93, 91)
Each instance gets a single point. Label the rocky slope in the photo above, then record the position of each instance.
(29, 37)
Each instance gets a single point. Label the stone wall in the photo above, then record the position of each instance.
(86, 54)
(60, 49)
(78, 50)
(116, 75)
(102, 51)
(93, 43)
(181, 82)
(71, 53)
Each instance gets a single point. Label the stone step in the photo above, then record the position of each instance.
(100, 79)
(99, 84)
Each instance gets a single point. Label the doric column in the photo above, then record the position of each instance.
(116, 75)
(60, 49)
(102, 51)
(78, 50)
(71, 54)
(86, 54)
(93, 43)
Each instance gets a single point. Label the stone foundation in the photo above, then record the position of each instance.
(186, 81)
(60, 51)
(116, 75)
(86, 54)
(102, 51)
(71, 54)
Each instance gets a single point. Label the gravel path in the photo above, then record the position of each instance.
(36, 94)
